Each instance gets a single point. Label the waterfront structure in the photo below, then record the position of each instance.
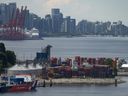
(43, 57)
(12, 22)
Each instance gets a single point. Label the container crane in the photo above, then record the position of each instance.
(13, 30)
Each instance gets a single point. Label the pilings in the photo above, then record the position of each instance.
(50, 84)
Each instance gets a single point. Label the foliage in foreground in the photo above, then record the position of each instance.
(7, 58)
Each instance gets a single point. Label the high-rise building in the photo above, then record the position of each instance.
(98, 28)
(12, 10)
(72, 25)
(82, 27)
(31, 19)
(48, 23)
(3, 10)
(66, 24)
(7, 12)
(26, 22)
(91, 28)
(36, 22)
(42, 27)
(57, 19)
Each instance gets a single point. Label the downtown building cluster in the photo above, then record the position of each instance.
(102, 28)
(55, 24)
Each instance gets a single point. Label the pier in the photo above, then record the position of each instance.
(78, 81)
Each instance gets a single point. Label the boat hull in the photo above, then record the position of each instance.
(19, 87)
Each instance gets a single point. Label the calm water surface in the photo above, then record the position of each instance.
(69, 47)
(83, 90)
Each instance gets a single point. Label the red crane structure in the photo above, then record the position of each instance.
(14, 29)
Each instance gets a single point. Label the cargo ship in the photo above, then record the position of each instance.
(18, 83)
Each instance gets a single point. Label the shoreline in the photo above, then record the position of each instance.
(79, 81)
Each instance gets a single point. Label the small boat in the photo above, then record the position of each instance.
(18, 83)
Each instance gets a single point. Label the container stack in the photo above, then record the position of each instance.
(82, 67)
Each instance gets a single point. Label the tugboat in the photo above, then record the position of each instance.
(18, 83)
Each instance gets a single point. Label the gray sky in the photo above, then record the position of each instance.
(92, 10)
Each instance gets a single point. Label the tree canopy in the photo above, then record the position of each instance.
(7, 58)
(2, 48)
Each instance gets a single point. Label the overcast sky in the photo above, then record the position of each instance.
(92, 10)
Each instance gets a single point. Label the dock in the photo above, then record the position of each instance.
(79, 81)
(122, 73)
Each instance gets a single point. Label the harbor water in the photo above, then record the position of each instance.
(79, 90)
(70, 47)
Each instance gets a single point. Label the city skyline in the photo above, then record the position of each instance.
(104, 10)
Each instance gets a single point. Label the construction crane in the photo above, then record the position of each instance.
(13, 30)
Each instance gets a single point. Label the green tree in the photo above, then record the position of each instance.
(11, 57)
(7, 58)
(3, 62)
(109, 62)
(2, 48)
(3, 59)
(1, 67)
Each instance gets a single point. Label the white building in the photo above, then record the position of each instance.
(34, 33)
(23, 69)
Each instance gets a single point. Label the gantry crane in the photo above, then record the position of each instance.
(13, 30)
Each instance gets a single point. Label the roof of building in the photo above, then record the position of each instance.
(35, 34)
(23, 67)
(124, 66)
